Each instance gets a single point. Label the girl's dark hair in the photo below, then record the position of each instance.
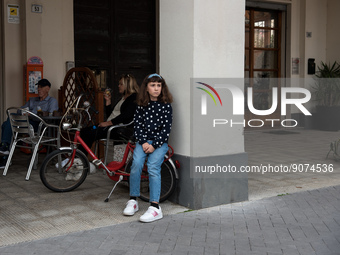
(143, 97)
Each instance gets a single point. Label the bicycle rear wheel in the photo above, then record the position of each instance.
(168, 181)
(57, 178)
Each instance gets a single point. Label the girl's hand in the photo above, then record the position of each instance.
(148, 148)
(145, 146)
(105, 124)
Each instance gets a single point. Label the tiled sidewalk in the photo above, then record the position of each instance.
(306, 222)
(29, 211)
(302, 149)
(303, 223)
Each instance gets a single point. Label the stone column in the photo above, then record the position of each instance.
(203, 39)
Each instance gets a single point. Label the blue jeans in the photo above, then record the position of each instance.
(6, 133)
(155, 160)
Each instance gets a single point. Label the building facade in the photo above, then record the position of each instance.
(194, 39)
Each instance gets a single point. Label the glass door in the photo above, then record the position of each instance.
(262, 60)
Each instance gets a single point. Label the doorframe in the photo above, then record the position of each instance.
(2, 66)
(285, 27)
(282, 60)
(157, 36)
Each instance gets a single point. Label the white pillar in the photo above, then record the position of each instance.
(202, 39)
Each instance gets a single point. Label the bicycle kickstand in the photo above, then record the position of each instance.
(120, 179)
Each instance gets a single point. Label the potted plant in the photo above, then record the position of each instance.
(326, 92)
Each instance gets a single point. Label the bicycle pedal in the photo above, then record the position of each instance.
(97, 162)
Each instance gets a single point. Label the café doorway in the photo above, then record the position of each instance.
(264, 64)
(2, 87)
(115, 37)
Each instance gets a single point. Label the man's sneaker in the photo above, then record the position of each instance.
(131, 207)
(151, 214)
(4, 149)
(3, 161)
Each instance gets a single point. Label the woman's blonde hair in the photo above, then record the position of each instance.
(143, 97)
(130, 84)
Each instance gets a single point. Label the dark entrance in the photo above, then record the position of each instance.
(114, 37)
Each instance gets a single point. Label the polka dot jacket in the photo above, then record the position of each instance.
(153, 122)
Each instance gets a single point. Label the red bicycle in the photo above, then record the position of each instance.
(66, 169)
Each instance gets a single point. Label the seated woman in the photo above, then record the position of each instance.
(122, 113)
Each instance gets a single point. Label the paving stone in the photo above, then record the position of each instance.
(302, 222)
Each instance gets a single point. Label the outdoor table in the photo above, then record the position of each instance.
(55, 120)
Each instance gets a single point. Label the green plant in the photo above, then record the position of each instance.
(189, 210)
(328, 71)
(327, 87)
(280, 195)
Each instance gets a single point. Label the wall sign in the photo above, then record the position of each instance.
(13, 13)
(36, 8)
(295, 66)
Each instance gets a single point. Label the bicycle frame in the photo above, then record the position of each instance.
(67, 177)
(63, 170)
(114, 166)
(96, 161)
(111, 167)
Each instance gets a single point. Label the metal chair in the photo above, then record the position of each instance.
(105, 142)
(24, 133)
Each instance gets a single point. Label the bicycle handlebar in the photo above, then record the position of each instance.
(78, 111)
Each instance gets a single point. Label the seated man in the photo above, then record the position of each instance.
(43, 102)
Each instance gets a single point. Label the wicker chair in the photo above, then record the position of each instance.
(82, 80)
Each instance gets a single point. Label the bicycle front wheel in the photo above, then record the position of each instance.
(54, 174)
(168, 181)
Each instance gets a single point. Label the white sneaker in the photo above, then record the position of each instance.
(4, 149)
(131, 207)
(151, 214)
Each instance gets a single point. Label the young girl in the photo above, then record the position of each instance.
(152, 125)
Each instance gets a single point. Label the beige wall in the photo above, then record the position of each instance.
(13, 58)
(48, 35)
(313, 16)
(333, 35)
(306, 16)
(316, 22)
